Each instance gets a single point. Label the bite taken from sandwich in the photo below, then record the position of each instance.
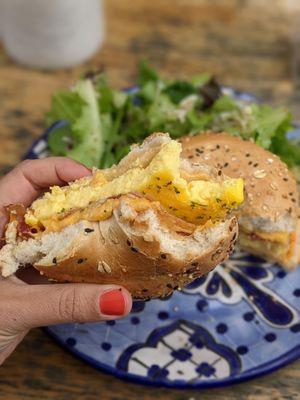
(153, 223)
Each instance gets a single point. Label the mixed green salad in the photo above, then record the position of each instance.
(102, 123)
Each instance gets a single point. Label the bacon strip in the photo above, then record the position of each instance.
(17, 212)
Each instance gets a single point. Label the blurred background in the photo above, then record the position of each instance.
(252, 45)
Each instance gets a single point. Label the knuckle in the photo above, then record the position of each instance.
(25, 163)
(73, 305)
(66, 304)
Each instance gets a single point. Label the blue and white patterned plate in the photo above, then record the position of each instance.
(241, 321)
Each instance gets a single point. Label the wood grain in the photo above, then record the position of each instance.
(39, 369)
(248, 44)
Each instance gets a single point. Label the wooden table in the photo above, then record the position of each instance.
(248, 45)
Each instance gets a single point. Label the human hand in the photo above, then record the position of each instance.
(24, 306)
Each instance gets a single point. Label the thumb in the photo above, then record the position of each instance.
(42, 305)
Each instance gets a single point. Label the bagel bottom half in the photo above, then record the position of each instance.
(140, 246)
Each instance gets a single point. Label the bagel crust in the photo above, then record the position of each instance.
(150, 229)
(127, 250)
(271, 205)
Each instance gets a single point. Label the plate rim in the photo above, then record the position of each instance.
(258, 371)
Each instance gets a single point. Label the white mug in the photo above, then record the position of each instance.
(51, 34)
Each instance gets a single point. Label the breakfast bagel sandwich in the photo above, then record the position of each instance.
(153, 223)
(269, 222)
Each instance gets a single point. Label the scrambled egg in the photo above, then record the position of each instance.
(281, 245)
(195, 201)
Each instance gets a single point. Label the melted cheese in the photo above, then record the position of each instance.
(195, 201)
(283, 249)
(278, 237)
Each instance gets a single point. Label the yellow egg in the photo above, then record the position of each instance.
(195, 201)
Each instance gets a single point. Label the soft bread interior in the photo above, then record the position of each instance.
(184, 242)
(45, 249)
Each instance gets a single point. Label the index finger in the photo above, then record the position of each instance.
(26, 182)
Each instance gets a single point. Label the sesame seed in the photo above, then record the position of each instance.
(265, 207)
(112, 236)
(247, 154)
(273, 186)
(170, 275)
(80, 260)
(104, 267)
(134, 249)
(259, 173)
(270, 160)
(233, 158)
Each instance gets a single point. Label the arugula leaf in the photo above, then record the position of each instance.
(161, 111)
(268, 123)
(148, 92)
(61, 140)
(201, 79)
(224, 103)
(178, 90)
(146, 73)
(65, 105)
(287, 151)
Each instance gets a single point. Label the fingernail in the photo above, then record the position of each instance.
(112, 302)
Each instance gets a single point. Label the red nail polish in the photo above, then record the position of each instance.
(112, 302)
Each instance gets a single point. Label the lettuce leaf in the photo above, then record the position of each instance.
(103, 122)
(82, 139)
